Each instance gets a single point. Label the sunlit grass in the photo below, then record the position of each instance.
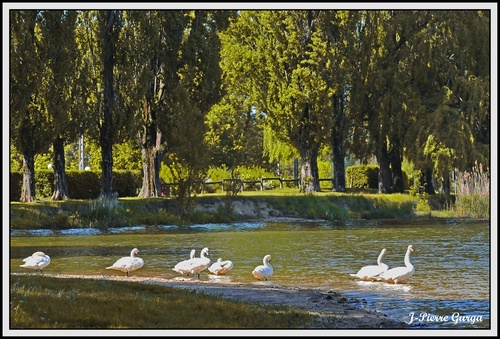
(45, 302)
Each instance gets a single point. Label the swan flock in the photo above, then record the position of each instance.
(195, 265)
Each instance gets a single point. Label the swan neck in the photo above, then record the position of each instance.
(407, 258)
(379, 259)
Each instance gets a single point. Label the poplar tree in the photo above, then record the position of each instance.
(29, 122)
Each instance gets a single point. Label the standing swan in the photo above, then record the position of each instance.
(221, 267)
(263, 272)
(368, 273)
(128, 264)
(183, 266)
(37, 261)
(399, 274)
(196, 265)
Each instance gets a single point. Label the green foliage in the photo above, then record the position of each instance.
(127, 183)
(423, 203)
(362, 176)
(100, 304)
(83, 184)
(277, 73)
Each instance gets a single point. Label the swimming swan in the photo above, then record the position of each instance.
(399, 274)
(263, 272)
(221, 267)
(37, 261)
(196, 265)
(368, 273)
(182, 267)
(128, 264)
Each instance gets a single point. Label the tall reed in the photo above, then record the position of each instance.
(473, 192)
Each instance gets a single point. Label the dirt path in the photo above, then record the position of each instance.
(333, 310)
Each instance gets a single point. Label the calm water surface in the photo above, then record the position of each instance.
(451, 259)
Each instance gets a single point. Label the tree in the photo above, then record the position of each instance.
(334, 52)
(29, 125)
(450, 68)
(151, 43)
(58, 88)
(267, 58)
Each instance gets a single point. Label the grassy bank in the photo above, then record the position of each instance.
(213, 208)
(40, 302)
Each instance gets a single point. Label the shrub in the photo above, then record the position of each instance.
(362, 176)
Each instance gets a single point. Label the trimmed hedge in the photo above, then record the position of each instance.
(81, 184)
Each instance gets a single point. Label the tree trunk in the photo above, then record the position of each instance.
(445, 185)
(152, 155)
(337, 140)
(397, 171)
(60, 182)
(426, 181)
(384, 172)
(28, 190)
(309, 170)
(106, 137)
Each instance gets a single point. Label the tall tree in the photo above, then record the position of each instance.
(59, 90)
(334, 52)
(29, 125)
(109, 25)
(151, 43)
(451, 80)
(381, 93)
(267, 56)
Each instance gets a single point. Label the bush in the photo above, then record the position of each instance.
(362, 176)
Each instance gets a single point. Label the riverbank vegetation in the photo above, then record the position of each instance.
(256, 205)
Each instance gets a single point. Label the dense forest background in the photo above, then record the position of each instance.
(190, 90)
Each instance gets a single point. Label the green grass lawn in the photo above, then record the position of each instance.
(40, 302)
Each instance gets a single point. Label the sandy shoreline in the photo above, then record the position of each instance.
(332, 309)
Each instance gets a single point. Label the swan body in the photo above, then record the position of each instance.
(37, 261)
(221, 267)
(265, 271)
(128, 264)
(196, 265)
(369, 273)
(398, 275)
(183, 266)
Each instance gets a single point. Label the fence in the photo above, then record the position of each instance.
(165, 188)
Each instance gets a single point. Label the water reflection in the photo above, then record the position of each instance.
(451, 259)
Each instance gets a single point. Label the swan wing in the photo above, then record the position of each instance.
(368, 272)
(36, 262)
(397, 274)
(263, 272)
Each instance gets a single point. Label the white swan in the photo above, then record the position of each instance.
(264, 272)
(182, 267)
(221, 267)
(37, 261)
(368, 273)
(196, 265)
(128, 264)
(398, 275)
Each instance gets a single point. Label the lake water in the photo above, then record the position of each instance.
(451, 287)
